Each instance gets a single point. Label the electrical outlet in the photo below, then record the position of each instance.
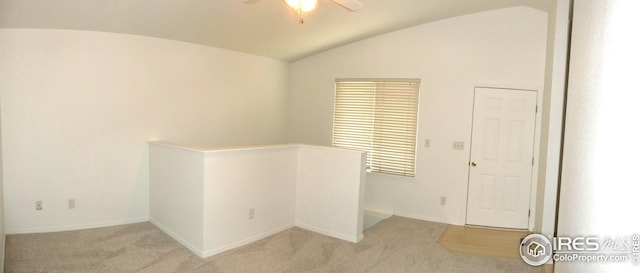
(458, 145)
(38, 205)
(427, 143)
(252, 213)
(72, 203)
(443, 200)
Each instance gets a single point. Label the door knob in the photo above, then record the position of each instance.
(473, 163)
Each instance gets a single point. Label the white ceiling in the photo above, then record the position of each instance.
(267, 28)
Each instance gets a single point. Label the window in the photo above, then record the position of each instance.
(379, 117)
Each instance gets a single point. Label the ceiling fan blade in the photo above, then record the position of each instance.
(352, 5)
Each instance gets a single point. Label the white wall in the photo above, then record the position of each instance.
(236, 181)
(599, 187)
(552, 116)
(502, 47)
(176, 199)
(78, 108)
(327, 199)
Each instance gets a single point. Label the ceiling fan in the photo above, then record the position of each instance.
(301, 6)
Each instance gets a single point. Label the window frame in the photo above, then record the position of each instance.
(379, 105)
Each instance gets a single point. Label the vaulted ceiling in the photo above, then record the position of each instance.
(266, 28)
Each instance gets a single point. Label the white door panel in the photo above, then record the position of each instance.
(501, 158)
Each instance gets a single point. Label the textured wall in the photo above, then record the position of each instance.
(599, 187)
(79, 107)
(504, 48)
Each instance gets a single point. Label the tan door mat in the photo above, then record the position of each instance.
(482, 241)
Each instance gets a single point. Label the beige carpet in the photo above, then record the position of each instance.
(394, 245)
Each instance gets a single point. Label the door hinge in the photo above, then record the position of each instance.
(536, 108)
(529, 212)
(532, 160)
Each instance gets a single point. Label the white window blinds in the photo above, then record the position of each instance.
(379, 117)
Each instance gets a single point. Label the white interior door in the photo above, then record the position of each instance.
(501, 158)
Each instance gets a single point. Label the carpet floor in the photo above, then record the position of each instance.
(396, 244)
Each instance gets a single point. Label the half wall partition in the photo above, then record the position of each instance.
(213, 200)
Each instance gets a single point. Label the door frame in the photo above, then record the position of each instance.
(536, 147)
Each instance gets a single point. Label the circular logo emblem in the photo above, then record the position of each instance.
(535, 249)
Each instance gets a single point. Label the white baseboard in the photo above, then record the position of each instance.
(185, 243)
(379, 214)
(348, 238)
(202, 253)
(76, 227)
(218, 250)
(430, 219)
